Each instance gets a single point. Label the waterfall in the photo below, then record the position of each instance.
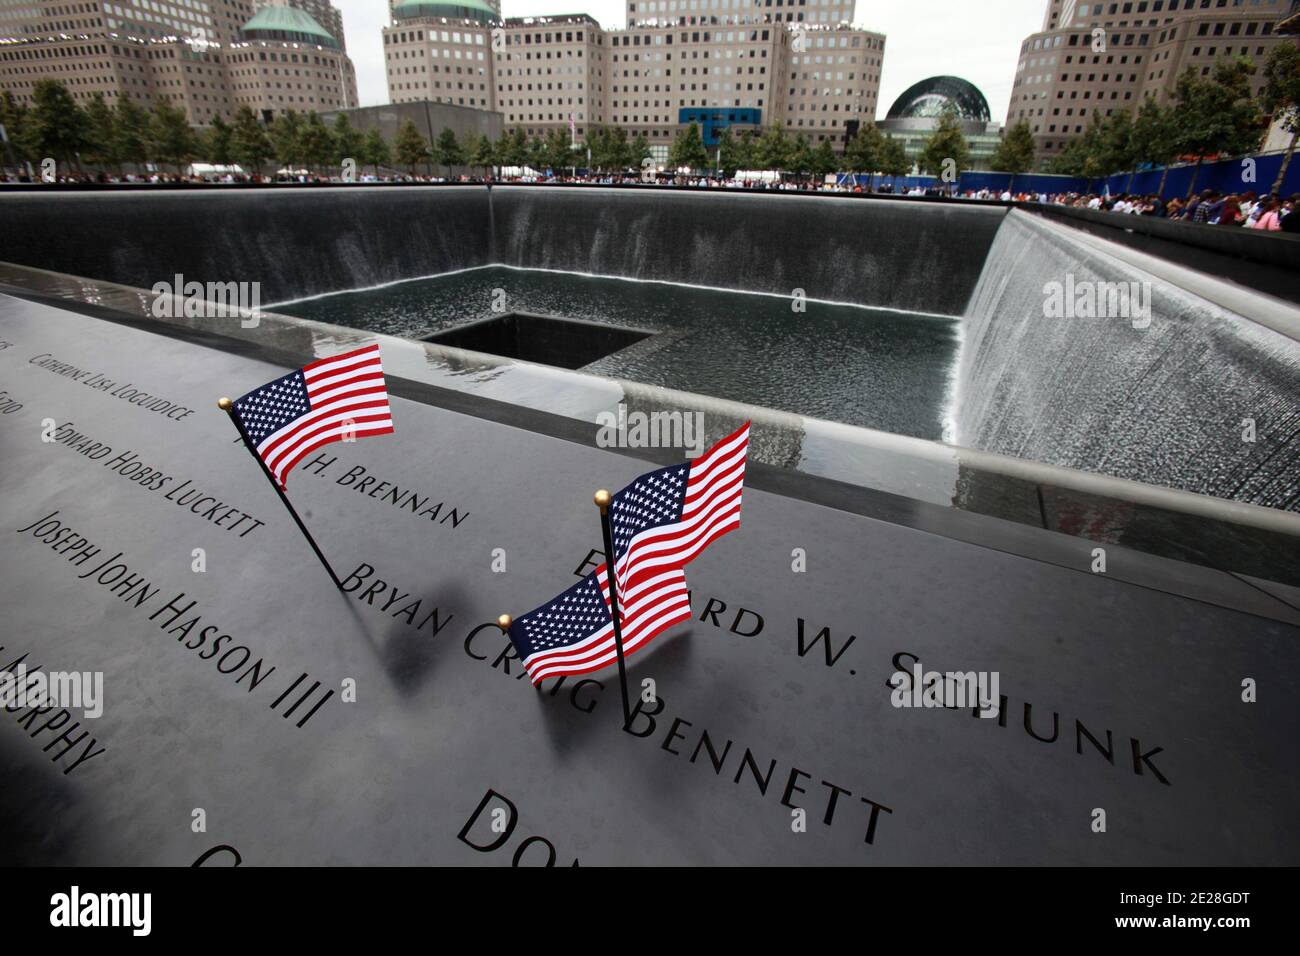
(293, 242)
(1171, 403)
(910, 256)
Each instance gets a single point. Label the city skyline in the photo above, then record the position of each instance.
(980, 43)
(651, 68)
(740, 64)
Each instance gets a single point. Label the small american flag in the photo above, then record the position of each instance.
(574, 633)
(666, 518)
(327, 401)
(660, 523)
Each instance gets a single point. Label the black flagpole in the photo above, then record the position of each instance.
(227, 406)
(602, 502)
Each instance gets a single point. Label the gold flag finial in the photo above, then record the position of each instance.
(224, 404)
(602, 498)
(504, 622)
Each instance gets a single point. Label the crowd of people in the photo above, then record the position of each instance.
(756, 181)
(1271, 213)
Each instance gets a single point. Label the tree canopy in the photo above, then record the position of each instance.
(687, 151)
(946, 152)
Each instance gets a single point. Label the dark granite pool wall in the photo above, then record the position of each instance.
(922, 257)
(301, 242)
(295, 242)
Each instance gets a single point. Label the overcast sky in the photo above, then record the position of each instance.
(978, 40)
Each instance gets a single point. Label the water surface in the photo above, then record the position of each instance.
(870, 367)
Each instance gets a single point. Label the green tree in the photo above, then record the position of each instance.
(1154, 140)
(512, 148)
(863, 152)
(499, 150)
(13, 117)
(537, 153)
(1118, 146)
(620, 157)
(1281, 98)
(638, 151)
(893, 157)
(57, 124)
(824, 160)
(317, 142)
(774, 150)
(946, 152)
(286, 139)
(171, 140)
(595, 141)
(410, 147)
(480, 153)
(249, 144)
(1015, 152)
(610, 148)
(1069, 161)
(375, 150)
(318, 147)
(1084, 154)
(734, 153)
(801, 156)
(559, 154)
(219, 143)
(1095, 158)
(620, 149)
(101, 140)
(1217, 115)
(687, 150)
(447, 150)
(348, 141)
(130, 132)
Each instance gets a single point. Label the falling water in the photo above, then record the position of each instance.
(909, 256)
(1167, 404)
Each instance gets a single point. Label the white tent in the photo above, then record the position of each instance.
(207, 169)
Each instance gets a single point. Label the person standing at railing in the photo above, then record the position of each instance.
(1230, 212)
(1270, 220)
(1290, 218)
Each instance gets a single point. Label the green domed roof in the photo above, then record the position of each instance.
(287, 23)
(451, 9)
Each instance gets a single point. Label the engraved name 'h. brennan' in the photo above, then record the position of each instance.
(407, 499)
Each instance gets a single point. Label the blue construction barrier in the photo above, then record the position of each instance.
(1226, 176)
(1022, 182)
(996, 182)
(900, 184)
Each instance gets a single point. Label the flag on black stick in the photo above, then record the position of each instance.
(340, 398)
(653, 528)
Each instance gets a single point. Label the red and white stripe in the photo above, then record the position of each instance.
(713, 496)
(652, 592)
(644, 612)
(348, 398)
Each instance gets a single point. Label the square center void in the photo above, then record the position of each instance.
(546, 339)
